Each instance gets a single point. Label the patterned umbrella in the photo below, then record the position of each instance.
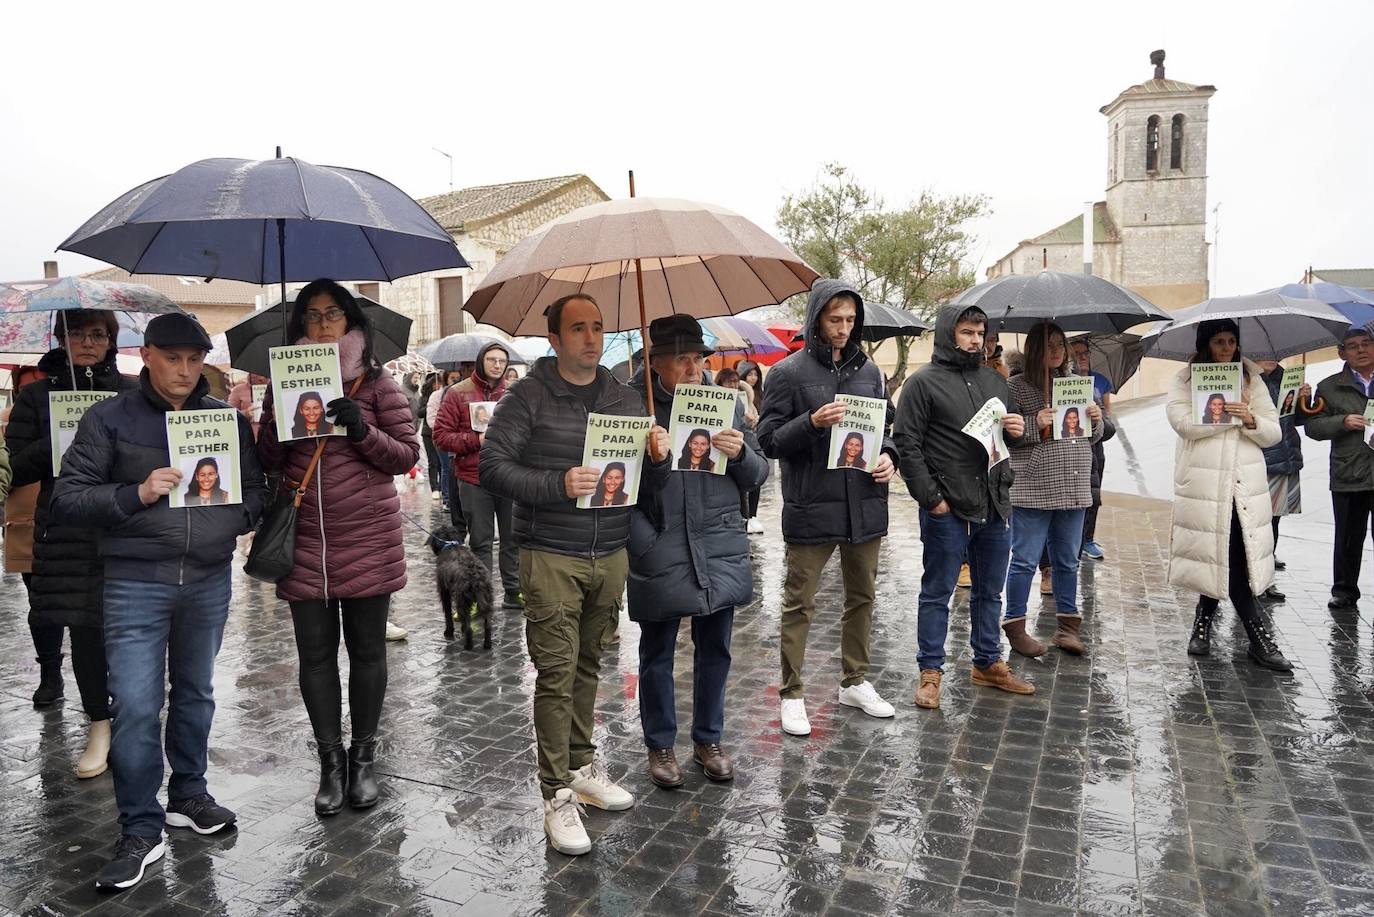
(734, 334)
(28, 309)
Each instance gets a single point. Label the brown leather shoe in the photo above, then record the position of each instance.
(1022, 642)
(1066, 634)
(663, 769)
(928, 692)
(999, 676)
(1046, 583)
(715, 763)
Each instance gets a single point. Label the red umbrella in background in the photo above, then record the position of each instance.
(785, 332)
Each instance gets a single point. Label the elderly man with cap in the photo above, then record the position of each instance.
(166, 589)
(689, 558)
(1343, 397)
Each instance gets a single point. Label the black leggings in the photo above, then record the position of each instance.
(88, 659)
(1238, 589)
(317, 643)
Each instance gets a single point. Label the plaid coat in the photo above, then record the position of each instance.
(1053, 473)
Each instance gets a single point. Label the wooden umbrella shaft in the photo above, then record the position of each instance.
(644, 339)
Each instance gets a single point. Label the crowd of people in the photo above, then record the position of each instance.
(144, 589)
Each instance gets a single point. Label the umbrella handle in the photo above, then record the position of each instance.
(1316, 407)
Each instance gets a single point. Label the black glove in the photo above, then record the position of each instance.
(344, 412)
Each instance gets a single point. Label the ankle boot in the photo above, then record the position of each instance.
(1263, 648)
(1200, 643)
(362, 785)
(1020, 641)
(333, 777)
(1066, 634)
(49, 689)
(95, 760)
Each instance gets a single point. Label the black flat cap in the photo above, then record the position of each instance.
(176, 329)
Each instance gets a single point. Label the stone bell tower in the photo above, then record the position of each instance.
(1157, 186)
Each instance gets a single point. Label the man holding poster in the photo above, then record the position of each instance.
(573, 562)
(166, 588)
(825, 508)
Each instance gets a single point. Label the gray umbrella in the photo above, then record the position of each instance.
(250, 339)
(1272, 326)
(1076, 302)
(448, 352)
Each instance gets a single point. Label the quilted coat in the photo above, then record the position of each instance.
(453, 431)
(1216, 467)
(348, 534)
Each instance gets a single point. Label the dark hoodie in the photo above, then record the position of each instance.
(820, 505)
(453, 431)
(938, 461)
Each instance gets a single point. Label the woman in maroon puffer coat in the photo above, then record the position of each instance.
(349, 553)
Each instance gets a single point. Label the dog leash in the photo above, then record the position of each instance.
(415, 522)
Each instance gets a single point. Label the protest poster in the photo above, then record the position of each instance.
(857, 440)
(1070, 399)
(305, 379)
(1288, 390)
(1369, 422)
(1214, 384)
(698, 413)
(479, 412)
(615, 448)
(65, 410)
(204, 447)
(986, 426)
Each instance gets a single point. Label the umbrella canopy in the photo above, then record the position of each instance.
(250, 339)
(267, 221)
(882, 321)
(1116, 356)
(1076, 302)
(733, 334)
(697, 259)
(1355, 304)
(447, 352)
(28, 318)
(1272, 326)
(410, 362)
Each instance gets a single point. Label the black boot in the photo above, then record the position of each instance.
(362, 785)
(1200, 643)
(333, 777)
(49, 689)
(1263, 648)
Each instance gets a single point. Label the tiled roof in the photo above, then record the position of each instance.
(469, 206)
(1071, 230)
(1156, 87)
(1362, 277)
(186, 291)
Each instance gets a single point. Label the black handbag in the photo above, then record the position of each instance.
(273, 552)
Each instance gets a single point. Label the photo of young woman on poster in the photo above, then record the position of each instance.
(696, 452)
(204, 488)
(852, 452)
(308, 419)
(611, 489)
(1071, 424)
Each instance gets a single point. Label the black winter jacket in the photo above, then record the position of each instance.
(119, 443)
(1352, 462)
(67, 582)
(939, 462)
(822, 505)
(1284, 457)
(536, 434)
(689, 553)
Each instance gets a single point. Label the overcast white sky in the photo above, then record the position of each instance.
(735, 103)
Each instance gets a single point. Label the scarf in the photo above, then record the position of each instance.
(350, 353)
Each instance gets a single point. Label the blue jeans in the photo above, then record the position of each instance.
(947, 540)
(710, 666)
(1032, 532)
(152, 631)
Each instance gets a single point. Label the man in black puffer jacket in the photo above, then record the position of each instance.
(573, 562)
(965, 505)
(826, 508)
(166, 588)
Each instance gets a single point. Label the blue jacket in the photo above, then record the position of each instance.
(1286, 456)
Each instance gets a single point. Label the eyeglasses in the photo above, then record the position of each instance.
(88, 337)
(329, 315)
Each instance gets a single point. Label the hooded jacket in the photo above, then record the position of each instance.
(67, 578)
(453, 431)
(1285, 456)
(822, 505)
(939, 462)
(119, 443)
(689, 553)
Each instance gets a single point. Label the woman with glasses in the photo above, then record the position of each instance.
(349, 555)
(67, 581)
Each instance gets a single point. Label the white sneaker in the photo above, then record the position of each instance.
(563, 824)
(866, 699)
(396, 633)
(794, 721)
(754, 527)
(593, 786)
(435, 495)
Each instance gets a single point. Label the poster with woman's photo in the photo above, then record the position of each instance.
(1070, 399)
(857, 440)
(304, 380)
(1215, 384)
(1289, 387)
(986, 427)
(65, 410)
(615, 448)
(479, 412)
(698, 413)
(204, 447)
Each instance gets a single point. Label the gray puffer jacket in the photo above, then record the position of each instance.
(689, 553)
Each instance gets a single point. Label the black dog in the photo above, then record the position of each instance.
(464, 584)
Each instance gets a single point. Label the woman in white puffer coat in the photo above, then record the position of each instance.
(1223, 543)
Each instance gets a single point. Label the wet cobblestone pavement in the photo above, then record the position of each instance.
(1137, 780)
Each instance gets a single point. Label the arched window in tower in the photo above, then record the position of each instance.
(1152, 144)
(1176, 143)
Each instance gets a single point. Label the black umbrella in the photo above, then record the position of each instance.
(448, 352)
(1075, 302)
(250, 339)
(1116, 356)
(882, 321)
